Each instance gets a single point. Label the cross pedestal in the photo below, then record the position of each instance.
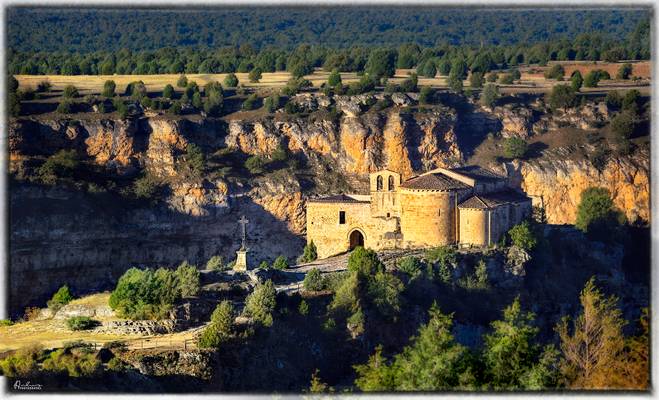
(241, 260)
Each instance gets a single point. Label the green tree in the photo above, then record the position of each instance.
(250, 102)
(61, 298)
(182, 81)
(624, 71)
(280, 263)
(562, 96)
(188, 279)
(260, 304)
(364, 261)
(506, 79)
(556, 71)
(476, 80)
(12, 84)
(195, 159)
(383, 291)
(381, 63)
(376, 375)
(109, 88)
(255, 164)
(271, 103)
(220, 327)
(255, 75)
(310, 252)
(196, 100)
(592, 79)
(215, 263)
(622, 125)
(60, 165)
(489, 95)
(426, 95)
(13, 104)
(576, 81)
(596, 213)
(631, 100)
(313, 280)
(455, 83)
(410, 265)
(231, 80)
(303, 308)
(334, 78)
(514, 147)
(81, 323)
(522, 235)
(65, 107)
(70, 92)
(168, 91)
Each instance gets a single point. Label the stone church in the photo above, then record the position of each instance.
(468, 206)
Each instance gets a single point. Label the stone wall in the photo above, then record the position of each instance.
(427, 217)
(385, 202)
(473, 226)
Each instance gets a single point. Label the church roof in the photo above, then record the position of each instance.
(341, 198)
(492, 200)
(434, 181)
(477, 173)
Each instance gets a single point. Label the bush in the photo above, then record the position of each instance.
(624, 71)
(596, 214)
(260, 304)
(478, 279)
(280, 263)
(576, 81)
(514, 147)
(455, 83)
(136, 89)
(255, 75)
(556, 71)
(506, 79)
(146, 187)
(489, 95)
(60, 165)
(188, 279)
(231, 80)
(255, 164)
(250, 102)
(176, 108)
(364, 261)
(182, 81)
(410, 84)
(592, 79)
(562, 96)
(168, 91)
(109, 88)
(476, 80)
(613, 99)
(303, 308)
(314, 281)
(65, 107)
(631, 100)
(622, 125)
(44, 86)
(74, 364)
(271, 103)
(21, 364)
(70, 91)
(310, 252)
(521, 235)
(81, 323)
(12, 84)
(334, 78)
(426, 95)
(410, 266)
(13, 104)
(195, 159)
(220, 327)
(61, 298)
(146, 294)
(215, 263)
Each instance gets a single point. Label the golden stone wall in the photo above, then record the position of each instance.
(427, 217)
(331, 237)
(480, 227)
(473, 226)
(384, 200)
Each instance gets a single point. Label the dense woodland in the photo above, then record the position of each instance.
(230, 40)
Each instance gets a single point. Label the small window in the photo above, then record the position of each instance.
(439, 213)
(380, 183)
(390, 184)
(342, 217)
(388, 215)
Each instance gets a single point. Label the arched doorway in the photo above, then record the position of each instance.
(356, 239)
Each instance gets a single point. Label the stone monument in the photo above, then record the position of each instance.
(241, 255)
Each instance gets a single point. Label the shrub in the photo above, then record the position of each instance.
(303, 308)
(624, 71)
(145, 294)
(215, 263)
(521, 235)
(476, 80)
(592, 79)
(314, 281)
(334, 78)
(59, 165)
(596, 214)
(260, 304)
(81, 323)
(44, 86)
(196, 101)
(410, 265)
(255, 75)
(70, 91)
(230, 80)
(478, 279)
(271, 103)
(516, 74)
(74, 364)
(631, 100)
(506, 79)
(310, 252)
(146, 187)
(562, 96)
(255, 164)
(426, 95)
(455, 83)
(264, 265)
(489, 95)
(556, 71)
(12, 84)
(195, 159)
(410, 84)
(168, 91)
(21, 364)
(576, 81)
(492, 77)
(109, 88)
(136, 89)
(187, 279)
(280, 263)
(250, 102)
(514, 147)
(613, 99)
(182, 81)
(622, 125)
(61, 298)
(220, 327)
(6, 322)
(65, 107)
(364, 261)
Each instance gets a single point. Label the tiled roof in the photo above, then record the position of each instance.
(492, 200)
(435, 181)
(477, 173)
(339, 198)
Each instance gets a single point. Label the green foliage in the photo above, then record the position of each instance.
(13, 104)
(182, 81)
(60, 165)
(220, 327)
(255, 75)
(176, 108)
(215, 263)
(522, 235)
(12, 84)
(630, 101)
(168, 91)
(596, 214)
(271, 103)
(592, 79)
(426, 95)
(455, 83)
(188, 279)
(334, 78)
(556, 71)
(147, 186)
(214, 102)
(310, 252)
(622, 125)
(81, 323)
(383, 291)
(260, 304)
(231, 80)
(313, 280)
(70, 92)
(381, 63)
(264, 265)
(410, 265)
(303, 308)
(506, 79)
(514, 147)
(492, 77)
(364, 261)
(624, 71)
(21, 364)
(489, 95)
(255, 164)
(409, 84)
(6, 322)
(476, 80)
(195, 159)
(65, 107)
(376, 375)
(446, 257)
(136, 89)
(61, 298)
(478, 280)
(74, 363)
(613, 99)
(562, 96)
(196, 100)
(516, 74)
(109, 88)
(250, 102)
(576, 81)
(280, 263)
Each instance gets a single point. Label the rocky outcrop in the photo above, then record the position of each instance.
(196, 364)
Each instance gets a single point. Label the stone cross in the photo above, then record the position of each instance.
(244, 221)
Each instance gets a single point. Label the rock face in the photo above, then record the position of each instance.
(557, 184)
